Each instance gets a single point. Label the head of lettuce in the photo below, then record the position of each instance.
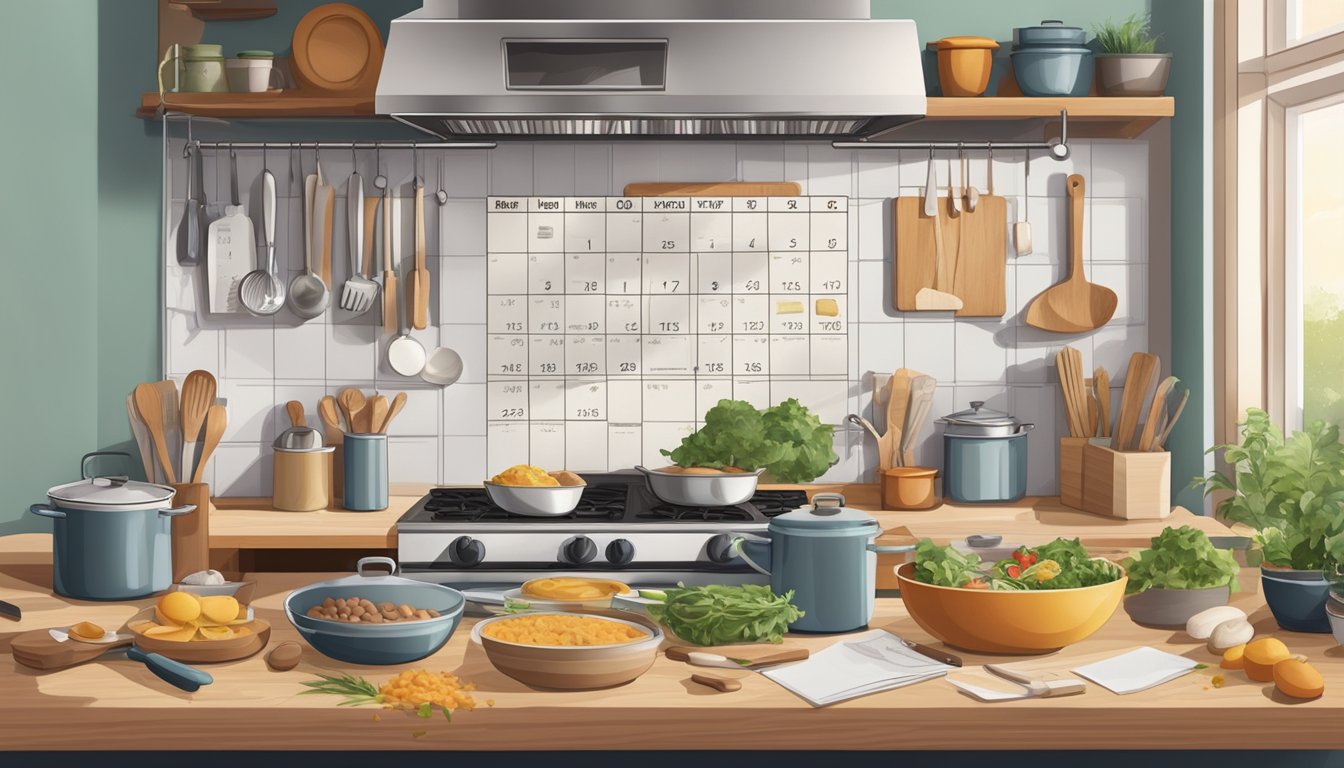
(788, 441)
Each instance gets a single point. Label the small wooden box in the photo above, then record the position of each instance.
(1131, 485)
(1071, 471)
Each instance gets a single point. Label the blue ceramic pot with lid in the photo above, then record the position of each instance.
(823, 553)
(1052, 59)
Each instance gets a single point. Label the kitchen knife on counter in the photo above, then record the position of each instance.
(10, 611)
(932, 653)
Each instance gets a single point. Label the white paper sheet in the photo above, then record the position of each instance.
(1137, 670)
(868, 663)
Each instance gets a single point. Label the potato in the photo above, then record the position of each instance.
(181, 607)
(1201, 625)
(219, 609)
(1234, 658)
(1298, 679)
(1230, 633)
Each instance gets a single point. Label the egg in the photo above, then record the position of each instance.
(1261, 656)
(1298, 679)
(1234, 658)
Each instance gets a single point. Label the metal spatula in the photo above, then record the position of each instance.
(359, 291)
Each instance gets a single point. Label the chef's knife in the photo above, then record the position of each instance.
(10, 610)
(191, 232)
(932, 653)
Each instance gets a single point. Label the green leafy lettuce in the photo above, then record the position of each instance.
(1291, 491)
(1061, 564)
(786, 440)
(722, 615)
(945, 566)
(1181, 558)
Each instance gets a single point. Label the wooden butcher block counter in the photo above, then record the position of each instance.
(117, 704)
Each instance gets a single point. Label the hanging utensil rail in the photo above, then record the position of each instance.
(352, 145)
(1059, 150)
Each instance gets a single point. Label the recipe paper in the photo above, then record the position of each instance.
(1137, 670)
(868, 663)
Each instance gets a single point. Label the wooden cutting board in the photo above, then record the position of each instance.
(714, 189)
(975, 250)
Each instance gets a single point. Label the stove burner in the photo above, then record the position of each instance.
(598, 503)
(776, 503)
(664, 511)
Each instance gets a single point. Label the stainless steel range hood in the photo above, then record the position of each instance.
(489, 69)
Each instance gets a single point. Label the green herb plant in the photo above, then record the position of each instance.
(721, 615)
(787, 440)
(1180, 558)
(1133, 35)
(1290, 490)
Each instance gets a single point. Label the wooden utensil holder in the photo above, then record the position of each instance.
(1130, 485)
(1071, 471)
(191, 532)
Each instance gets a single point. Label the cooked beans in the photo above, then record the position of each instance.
(357, 610)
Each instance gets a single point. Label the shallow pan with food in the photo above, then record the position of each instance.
(388, 643)
(572, 668)
(535, 500)
(696, 489)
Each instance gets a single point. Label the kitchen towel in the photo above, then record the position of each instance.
(1137, 670)
(868, 663)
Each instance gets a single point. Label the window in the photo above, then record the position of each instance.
(1315, 246)
(1310, 19)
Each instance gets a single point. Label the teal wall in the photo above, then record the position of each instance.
(81, 289)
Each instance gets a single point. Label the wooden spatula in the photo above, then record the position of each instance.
(150, 406)
(1156, 411)
(172, 421)
(398, 403)
(297, 418)
(331, 422)
(420, 274)
(198, 394)
(1142, 366)
(376, 412)
(1101, 384)
(897, 406)
(352, 403)
(216, 421)
(390, 321)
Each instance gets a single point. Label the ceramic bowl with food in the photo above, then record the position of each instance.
(1008, 621)
(386, 642)
(701, 487)
(532, 491)
(522, 647)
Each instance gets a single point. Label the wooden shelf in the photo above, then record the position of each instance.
(275, 104)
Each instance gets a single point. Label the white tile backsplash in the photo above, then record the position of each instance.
(442, 434)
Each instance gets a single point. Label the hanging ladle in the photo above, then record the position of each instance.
(308, 295)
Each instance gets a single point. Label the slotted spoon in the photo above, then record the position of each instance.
(359, 291)
(262, 292)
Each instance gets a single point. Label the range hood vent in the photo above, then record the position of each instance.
(489, 69)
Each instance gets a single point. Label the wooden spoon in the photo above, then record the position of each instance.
(331, 422)
(1155, 412)
(352, 402)
(148, 402)
(1074, 305)
(1142, 366)
(297, 418)
(198, 394)
(376, 412)
(398, 403)
(216, 420)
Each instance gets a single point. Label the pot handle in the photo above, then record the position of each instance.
(177, 511)
(41, 511)
(739, 548)
(1024, 427)
(84, 462)
(364, 562)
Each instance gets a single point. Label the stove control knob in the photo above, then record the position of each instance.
(719, 548)
(468, 551)
(578, 550)
(620, 552)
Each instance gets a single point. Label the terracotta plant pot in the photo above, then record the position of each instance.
(909, 488)
(1132, 74)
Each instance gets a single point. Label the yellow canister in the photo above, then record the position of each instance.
(302, 479)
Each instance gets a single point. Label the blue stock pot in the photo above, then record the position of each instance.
(111, 537)
(824, 553)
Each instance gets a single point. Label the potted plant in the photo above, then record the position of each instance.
(1292, 493)
(1181, 574)
(1127, 64)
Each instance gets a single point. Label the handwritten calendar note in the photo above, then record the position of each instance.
(614, 323)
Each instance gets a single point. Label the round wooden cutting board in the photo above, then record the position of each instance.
(336, 47)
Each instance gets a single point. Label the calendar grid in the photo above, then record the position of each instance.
(749, 274)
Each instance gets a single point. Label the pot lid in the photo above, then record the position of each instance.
(1053, 48)
(1052, 25)
(966, 41)
(980, 416)
(116, 491)
(826, 513)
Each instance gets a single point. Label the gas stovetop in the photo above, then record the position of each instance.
(619, 530)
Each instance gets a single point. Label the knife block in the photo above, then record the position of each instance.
(191, 532)
(1130, 485)
(1071, 471)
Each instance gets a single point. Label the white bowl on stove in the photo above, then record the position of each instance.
(535, 501)
(719, 490)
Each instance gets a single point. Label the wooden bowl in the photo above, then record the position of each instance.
(202, 651)
(572, 668)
